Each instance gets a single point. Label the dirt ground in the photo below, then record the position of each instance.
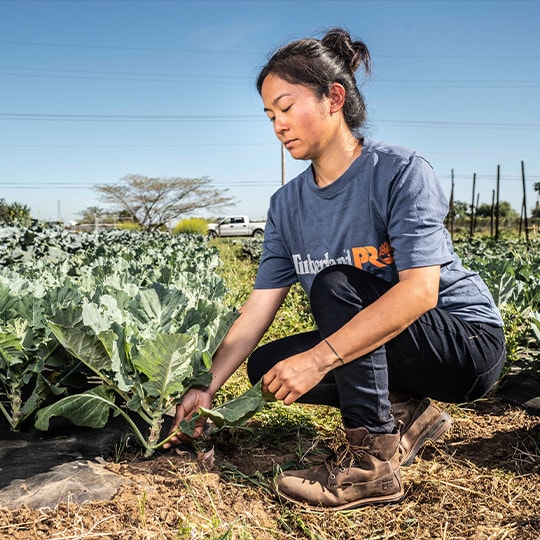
(482, 481)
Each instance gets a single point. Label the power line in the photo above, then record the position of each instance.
(125, 48)
(456, 57)
(90, 146)
(233, 78)
(257, 53)
(130, 117)
(225, 79)
(480, 177)
(45, 73)
(127, 73)
(243, 118)
(442, 123)
(55, 184)
(188, 145)
(430, 83)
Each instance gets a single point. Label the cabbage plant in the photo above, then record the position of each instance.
(109, 323)
(145, 351)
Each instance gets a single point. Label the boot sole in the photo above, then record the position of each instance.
(435, 432)
(390, 499)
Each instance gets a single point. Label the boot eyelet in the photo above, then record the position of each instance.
(341, 469)
(332, 477)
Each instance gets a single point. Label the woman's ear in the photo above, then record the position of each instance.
(336, 97)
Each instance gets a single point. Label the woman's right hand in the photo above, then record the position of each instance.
(257, 314)
(190, 404)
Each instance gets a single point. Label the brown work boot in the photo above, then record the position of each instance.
(422, 421)
(364, 470)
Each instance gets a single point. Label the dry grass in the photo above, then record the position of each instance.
(482, 481)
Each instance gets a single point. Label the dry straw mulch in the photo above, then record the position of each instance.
(482, 481)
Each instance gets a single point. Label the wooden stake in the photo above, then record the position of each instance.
(497, 203)
(472, 204)
(524, 206)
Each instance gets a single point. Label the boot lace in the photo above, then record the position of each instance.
(344, 458)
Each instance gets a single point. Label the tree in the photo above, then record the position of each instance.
(4, 211)
(153, 202)
(15, 213)
(505, 210)
(462, 209)
(91, 213)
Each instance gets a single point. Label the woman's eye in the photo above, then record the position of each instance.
(287, 108)
(271, 119)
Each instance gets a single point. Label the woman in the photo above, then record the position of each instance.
(398, 317)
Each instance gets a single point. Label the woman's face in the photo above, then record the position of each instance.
(302, 121)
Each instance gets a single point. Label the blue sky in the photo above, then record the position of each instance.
(91, 91)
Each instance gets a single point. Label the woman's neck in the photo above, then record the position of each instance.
(336, 160)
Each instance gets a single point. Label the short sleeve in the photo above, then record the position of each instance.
(276, 268)
(416, 211)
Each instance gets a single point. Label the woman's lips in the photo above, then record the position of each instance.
(288, 143)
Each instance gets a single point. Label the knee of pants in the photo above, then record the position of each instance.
(258, 364)
(329, 289)
(328, 281)
(339, 292)
(253, 371)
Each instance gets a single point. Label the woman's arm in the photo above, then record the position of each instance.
(414, 294)
(256, 315)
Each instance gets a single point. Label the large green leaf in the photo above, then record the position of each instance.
(218, 319)
(7, 301)
(42, 390)
(85, 347)
(156, 306)
(90, 409)
(119, 350)
(93, 317)
(239, 410)
(166, 361)
(535, 324)
(11, 351)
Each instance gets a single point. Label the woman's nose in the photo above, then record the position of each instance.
(279, 125)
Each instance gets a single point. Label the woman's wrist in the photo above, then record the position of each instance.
(327, 357)
(336, 354)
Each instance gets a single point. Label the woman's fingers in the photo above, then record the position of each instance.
(281, 389)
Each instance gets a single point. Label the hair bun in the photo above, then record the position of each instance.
(352, 53)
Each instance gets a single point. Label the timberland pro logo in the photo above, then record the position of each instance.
(371, 255)
(387, 484)
(357, 256)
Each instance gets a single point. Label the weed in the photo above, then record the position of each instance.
(141, 503)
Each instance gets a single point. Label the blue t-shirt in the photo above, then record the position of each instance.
(383, 215)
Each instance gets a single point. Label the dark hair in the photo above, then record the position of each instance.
(318, 63)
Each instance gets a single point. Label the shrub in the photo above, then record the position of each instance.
(128, 226)
(191, 226)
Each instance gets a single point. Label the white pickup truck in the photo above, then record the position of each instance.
(236, 226)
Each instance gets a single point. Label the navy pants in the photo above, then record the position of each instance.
(438, 356)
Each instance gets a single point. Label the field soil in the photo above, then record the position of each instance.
(481, 481)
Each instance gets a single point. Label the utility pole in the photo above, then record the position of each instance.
(524, 204)
(450, 222)
(497, 203)
(472, 204)
(492, 212)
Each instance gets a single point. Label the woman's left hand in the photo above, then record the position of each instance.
(293, 377)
